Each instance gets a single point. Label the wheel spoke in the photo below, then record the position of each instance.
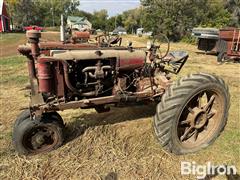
(186, 133)
(210, 102)
(210, 115)
(184, 122)
(205, 128)
(200, 100)
(195, 135)
(190, 110)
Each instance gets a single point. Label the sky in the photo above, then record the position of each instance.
(113, 7)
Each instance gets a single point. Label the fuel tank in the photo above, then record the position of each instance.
(126, 59)
(131, 60)
(45, 77)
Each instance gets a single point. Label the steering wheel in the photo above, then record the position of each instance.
(162, 45)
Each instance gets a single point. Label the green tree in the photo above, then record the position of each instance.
(119, 20)
(51, 10)
(173, 18)
(177, 18)
(233, 7)
(99, 19)
(217, 16)
(111, 24)
(114, 22)
(132, 19)
(40, 12)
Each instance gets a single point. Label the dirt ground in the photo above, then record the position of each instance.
(115, 145)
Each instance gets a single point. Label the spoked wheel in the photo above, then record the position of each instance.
(192, 113)
(32, 137)
(200, 118)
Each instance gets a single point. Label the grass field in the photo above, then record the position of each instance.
(119, 144)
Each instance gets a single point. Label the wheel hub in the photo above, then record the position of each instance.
(198, 118)
(41, 139)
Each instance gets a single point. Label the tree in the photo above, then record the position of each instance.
(132, 19)
(177, 18)
(52, 10)
(114, 22)
(40, 12)
(119, 20)
(217, 16)
(11, 4)
(110, 26)
(21, 11)
(99, 19)
(233, 7)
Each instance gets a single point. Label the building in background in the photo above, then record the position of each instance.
(79, 23)
(4, 17)
(140, 31)
(119, 31)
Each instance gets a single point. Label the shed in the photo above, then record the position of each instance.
(4, 17)
(207, 38)
(140, 31)
(120, 30)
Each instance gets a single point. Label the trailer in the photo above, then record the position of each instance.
(229, 44)
(207, 39)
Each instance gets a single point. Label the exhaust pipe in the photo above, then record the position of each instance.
(62, 30)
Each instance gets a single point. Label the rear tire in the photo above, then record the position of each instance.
(181, 124)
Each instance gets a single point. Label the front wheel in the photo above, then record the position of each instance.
(192, 113)
(32, 137)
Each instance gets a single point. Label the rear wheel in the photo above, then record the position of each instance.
(192, 114)
(31, 137)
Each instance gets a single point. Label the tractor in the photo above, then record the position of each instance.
(190, 112)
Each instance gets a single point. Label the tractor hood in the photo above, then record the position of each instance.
(98, 54)
(126, 59)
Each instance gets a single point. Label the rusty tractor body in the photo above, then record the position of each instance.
(190, 113)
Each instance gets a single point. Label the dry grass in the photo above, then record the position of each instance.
(9, 43)
(115, 144)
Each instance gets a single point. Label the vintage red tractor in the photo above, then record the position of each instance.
(190, 113)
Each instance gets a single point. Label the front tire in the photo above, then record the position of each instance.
(192, 113)
(32, 137)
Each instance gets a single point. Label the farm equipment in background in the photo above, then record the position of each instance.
(229, 44)
(225, 43)
(80, 37)
(207, 39)
(27, 28)
(190, 114)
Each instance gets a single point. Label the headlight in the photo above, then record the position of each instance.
(149, 45)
